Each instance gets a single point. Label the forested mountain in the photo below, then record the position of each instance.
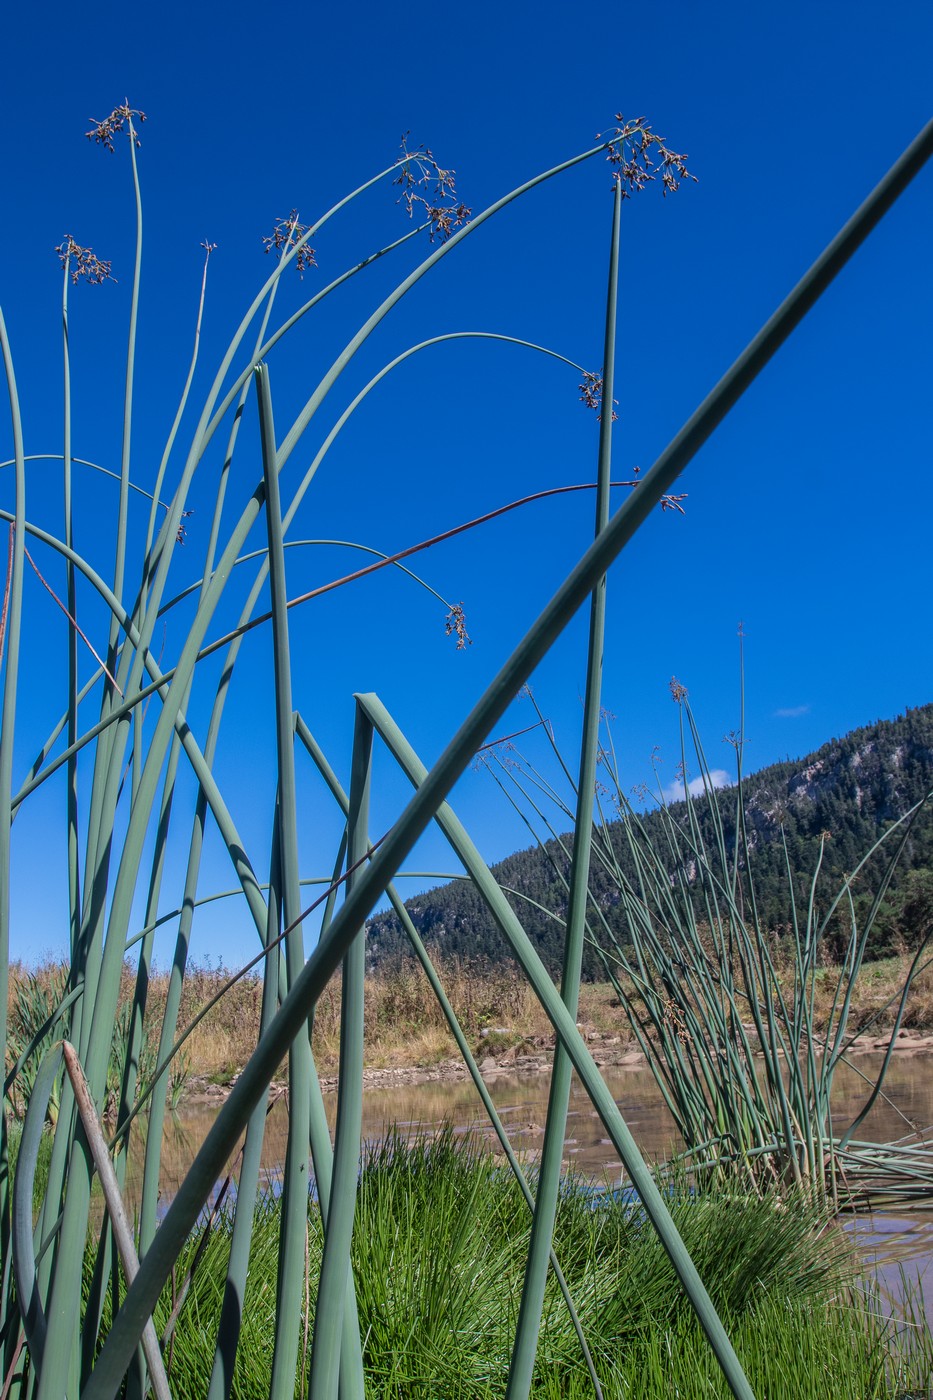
(841, 797)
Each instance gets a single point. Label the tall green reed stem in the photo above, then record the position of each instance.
(336, 1278)
(542, 1231)
(463, 1046)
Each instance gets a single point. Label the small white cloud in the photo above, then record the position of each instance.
(718, 778)
(792, 712)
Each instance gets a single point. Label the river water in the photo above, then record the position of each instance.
(891, 1242)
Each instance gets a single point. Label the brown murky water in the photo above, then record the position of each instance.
(891, 1242)
(521, 1100)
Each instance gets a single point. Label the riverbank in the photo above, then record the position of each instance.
(608, 1052)
(407, 1040)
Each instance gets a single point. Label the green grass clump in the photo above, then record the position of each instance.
(440, 1240)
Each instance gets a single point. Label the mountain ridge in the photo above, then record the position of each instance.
(849, 789)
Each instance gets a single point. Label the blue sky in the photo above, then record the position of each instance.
(807, 513)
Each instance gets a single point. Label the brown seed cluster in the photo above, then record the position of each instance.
(455, 625)
(104, 132)
(638, 156)
(181, 534)
(83, 262)
(668, 502)
(420, 171)
(591, 393)
(675, 1020)
(678, 691)
(285, 234)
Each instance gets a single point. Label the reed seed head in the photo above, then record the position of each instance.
(675, 1021)
(638, 156)
(181, 534)
(591, 393)
(103, 132)
(285, 234)
(81, 263)
(420, 171)
(455, 624)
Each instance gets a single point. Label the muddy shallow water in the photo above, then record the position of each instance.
(521, 1100)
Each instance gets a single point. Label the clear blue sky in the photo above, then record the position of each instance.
(808, 512)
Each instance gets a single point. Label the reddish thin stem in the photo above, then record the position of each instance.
(405, 554)
(48, 587)
(6, 593)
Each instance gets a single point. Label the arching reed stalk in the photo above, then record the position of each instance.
(125, 792)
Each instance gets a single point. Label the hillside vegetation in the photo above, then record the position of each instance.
(852, 788)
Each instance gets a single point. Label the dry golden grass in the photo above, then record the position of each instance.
(404, 1025)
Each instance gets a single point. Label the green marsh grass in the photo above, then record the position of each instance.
(441, 1237)
(120, 764)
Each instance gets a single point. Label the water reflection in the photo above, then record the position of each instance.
(521, 1100)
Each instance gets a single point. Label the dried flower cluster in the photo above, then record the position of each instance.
(285, 235)
(678, 691)
(669, 502)
(638, 156)
(104, 132)
(591, 393)
(181, 533)
(455, 625)
(674, 1019)
(83, 262)
(420, 171)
